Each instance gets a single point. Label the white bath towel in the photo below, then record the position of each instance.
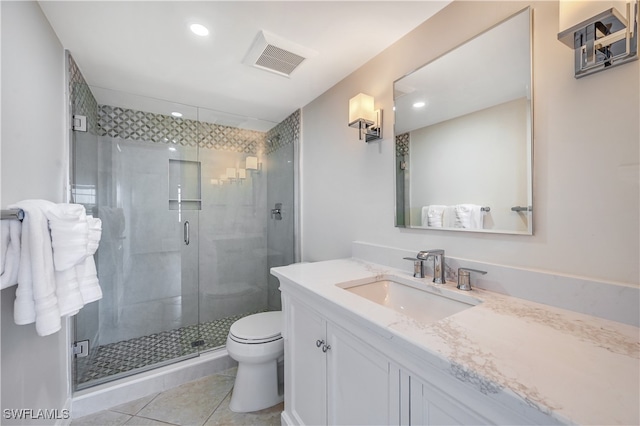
(69, 235)
(36, 299)
(11, 234)
(433, 215)
(78, 284)
(449, 217)
(88, 279)
(68, 292)
(469, 216)
(95, 233)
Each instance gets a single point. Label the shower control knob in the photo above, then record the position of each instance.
(319, 343)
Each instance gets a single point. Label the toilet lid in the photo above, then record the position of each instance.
(262, 326)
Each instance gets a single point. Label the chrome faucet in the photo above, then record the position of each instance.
(438, 264)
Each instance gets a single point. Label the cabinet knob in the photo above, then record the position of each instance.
(319, 343)
(325, 348)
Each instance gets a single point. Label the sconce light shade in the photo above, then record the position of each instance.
(231, 173)
(361, 108)
(363, 117)
(252, 163)
(242, 174)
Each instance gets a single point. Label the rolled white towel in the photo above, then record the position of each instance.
(36, 299)
(10, 252)
(69, 235)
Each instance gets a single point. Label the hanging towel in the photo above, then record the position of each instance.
(68, 292)
(74, 242)
(87, 274)
(10, 252)
(433, 215)
(468, 216)
(449, 217)
(36, 299)
(88, 279)
(69, 235)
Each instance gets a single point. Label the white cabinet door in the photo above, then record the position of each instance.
(429, 406)
(331, 377)
(358, 382)
(305, 366)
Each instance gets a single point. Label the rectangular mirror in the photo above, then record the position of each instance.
(464, 136)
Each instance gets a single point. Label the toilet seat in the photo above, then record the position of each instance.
(259, 328)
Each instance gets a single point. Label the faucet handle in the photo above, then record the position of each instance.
(418, 266)
(464, 277)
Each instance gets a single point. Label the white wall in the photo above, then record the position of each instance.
(586, 192)
(35, 373)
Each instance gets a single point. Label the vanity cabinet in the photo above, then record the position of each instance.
(429, 406)
(331, 377)
(340, 369)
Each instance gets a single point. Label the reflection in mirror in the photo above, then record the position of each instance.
(463, 127)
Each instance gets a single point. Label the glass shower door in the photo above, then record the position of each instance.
(147, 198)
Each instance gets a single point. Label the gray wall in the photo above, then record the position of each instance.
(35, 370)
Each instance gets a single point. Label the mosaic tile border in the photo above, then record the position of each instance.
(402, 144)
(82, 100)
(285, 133)
(131, 124)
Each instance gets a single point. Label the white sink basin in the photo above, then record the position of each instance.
(422, 305)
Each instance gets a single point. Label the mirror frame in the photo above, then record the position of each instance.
(401, 154)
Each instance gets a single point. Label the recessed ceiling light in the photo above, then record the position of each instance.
(198, 29)
(419, 104)
(176, 114)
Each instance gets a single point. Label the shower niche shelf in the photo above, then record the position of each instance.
(184, 185)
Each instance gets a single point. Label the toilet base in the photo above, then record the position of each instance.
(256, 387)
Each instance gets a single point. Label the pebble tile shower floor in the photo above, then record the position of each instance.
(119, 357)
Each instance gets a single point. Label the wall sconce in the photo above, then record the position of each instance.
(603, 41)
(363, 117)
(253, 165)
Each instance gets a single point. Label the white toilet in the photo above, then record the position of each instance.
(256, 343)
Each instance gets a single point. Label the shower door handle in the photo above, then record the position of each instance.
(186, 232)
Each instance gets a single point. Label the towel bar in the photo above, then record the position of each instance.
(17, 214)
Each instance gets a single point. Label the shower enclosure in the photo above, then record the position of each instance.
(195, 210)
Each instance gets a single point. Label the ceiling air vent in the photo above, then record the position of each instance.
(275, 54)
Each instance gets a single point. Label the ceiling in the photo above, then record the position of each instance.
(488, 70)
(145, 48)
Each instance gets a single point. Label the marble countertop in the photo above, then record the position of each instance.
(574, 367)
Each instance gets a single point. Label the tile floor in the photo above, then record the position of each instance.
(202, 402)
